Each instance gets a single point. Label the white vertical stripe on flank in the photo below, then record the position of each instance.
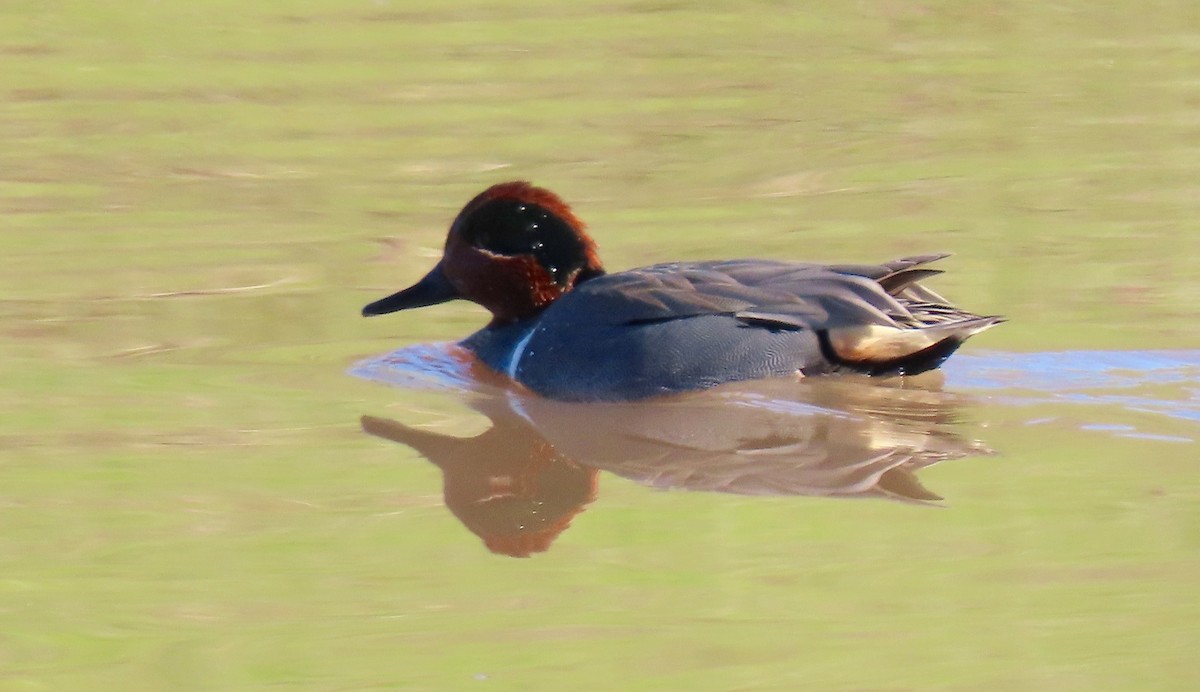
(518, 352)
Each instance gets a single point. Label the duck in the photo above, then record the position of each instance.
(564, 328)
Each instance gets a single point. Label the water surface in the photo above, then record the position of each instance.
(196, 199)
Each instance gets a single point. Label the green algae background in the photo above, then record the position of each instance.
(197, 198)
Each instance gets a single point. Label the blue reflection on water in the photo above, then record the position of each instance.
(1056, 371)
(1159, 383)
(438, 366)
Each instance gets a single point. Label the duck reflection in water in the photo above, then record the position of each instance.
(519, 484)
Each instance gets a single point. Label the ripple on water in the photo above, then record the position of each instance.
(1157, 383)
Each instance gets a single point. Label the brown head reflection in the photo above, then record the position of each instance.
(519, 484)
(508, 485)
